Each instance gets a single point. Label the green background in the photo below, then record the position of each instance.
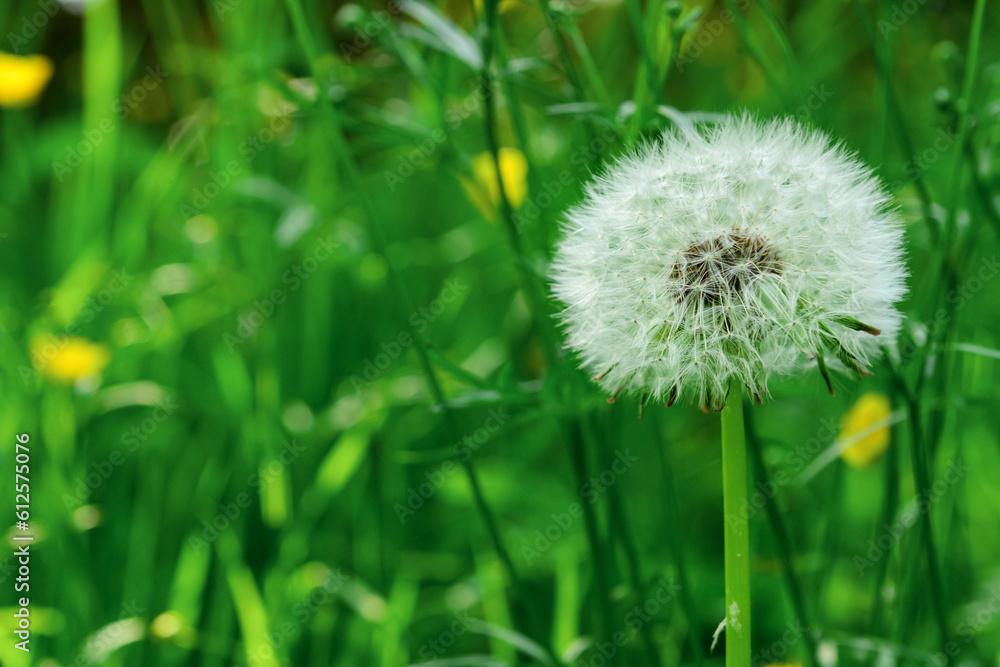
(273, 511)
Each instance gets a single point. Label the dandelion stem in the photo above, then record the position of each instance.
(737, 531)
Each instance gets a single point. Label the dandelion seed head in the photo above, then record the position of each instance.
(734, 252)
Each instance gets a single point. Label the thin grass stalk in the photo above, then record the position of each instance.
(530, 281)
(921, 479)
(590, 70)
(620, 525)
(648, 63)
(673, 515)
(601, 572)
(924, 449)
(756, 52)
(786, 49)
(949, 268)
(884, 65)
(518, 121)
(774, 517)
(982, 189)
(575, 82)
(890, 504)
(380, 238)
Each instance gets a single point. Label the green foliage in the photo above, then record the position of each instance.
(336, 424)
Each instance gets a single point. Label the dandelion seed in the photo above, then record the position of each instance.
(795, 263)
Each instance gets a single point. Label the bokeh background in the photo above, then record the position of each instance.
(295, 386)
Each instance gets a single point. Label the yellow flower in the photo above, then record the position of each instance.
(869, 409)
(22, 78)
(501, 8)
(483, 189)
(67, 359)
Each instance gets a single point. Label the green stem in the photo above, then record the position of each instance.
(734, 490)
(673, 515)
(890, 503)
(921, 478)
(575, 82)
(380, 237)
(597, 550)
(620, 525)
(756, 52)
(883, 59)
(533, 291)
(786, 47)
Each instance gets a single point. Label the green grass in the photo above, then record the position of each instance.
(338, 426)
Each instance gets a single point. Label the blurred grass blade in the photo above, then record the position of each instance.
(249, 606)
(522, 643)
(452, 38)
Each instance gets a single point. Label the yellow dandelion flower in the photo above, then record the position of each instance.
(22, 78)
(483, 189)
(67, 359)
(865, 413)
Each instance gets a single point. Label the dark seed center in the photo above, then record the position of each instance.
(724, 264)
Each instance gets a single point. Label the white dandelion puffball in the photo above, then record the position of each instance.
(729, 253)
